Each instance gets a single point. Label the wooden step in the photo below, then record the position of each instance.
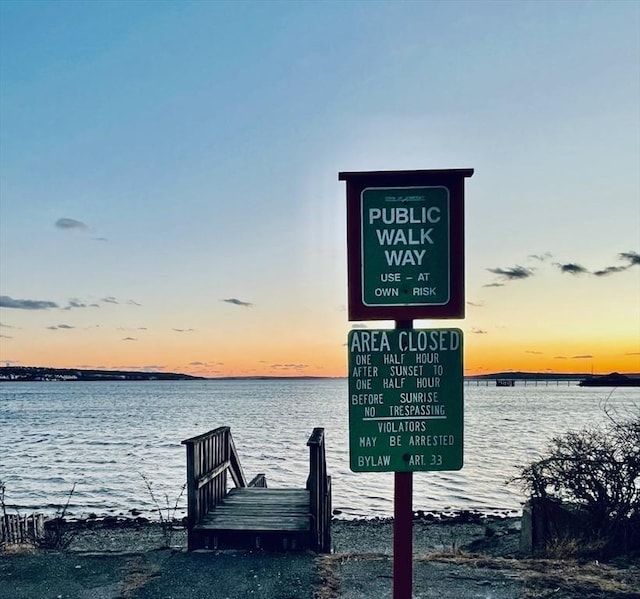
(260, 509)
(251, 517)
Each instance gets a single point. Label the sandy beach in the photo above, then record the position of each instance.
(460, 558)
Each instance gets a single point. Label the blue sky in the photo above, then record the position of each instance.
(193, 148)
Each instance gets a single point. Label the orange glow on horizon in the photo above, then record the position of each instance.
(326, 361)
(558, 357)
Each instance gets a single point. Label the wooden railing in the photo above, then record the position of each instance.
(210, 457)
(319, 487)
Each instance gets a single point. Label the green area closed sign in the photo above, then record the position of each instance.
(405, 400)
(405, 246)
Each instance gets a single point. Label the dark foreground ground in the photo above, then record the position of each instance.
(459, 560)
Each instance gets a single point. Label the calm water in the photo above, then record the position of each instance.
(105, 436)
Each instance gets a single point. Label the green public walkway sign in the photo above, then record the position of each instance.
(405, 400)
(405, 246)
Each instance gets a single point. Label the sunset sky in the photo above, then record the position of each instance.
(169, 194)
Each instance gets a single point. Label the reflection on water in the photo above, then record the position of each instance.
(103, 436)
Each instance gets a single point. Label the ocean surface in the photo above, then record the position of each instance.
(107, 438)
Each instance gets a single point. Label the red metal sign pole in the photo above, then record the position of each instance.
(368, 275)
(403, 523)
(403, 535)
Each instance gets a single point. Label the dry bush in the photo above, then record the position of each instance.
(166, 515)
(597, 469)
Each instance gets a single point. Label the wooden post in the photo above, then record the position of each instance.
(403, 523)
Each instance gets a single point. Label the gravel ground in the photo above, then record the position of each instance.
(498, 536)
(468, 558)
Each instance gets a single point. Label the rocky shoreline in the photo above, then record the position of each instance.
(432, 532)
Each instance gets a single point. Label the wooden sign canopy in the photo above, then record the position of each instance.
(405, 243)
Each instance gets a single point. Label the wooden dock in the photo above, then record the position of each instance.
(251, 515)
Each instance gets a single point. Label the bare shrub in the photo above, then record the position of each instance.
(598, 469)
(57, 535)
(166, 514)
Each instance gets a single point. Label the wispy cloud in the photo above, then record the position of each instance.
(295, 367)
(632, 257)
(582, 357)
(183, 330)
(76, 303)
(69, 223)
(609, 270)
(5, 336)
(110, 299)
(478, 331)
(6, 326)
(534, 352)
(25, 304)
(513, 273)
(476, 304)
(237, 302)
(129, 339)
(541, 257)
(571, 268)
(60, 327)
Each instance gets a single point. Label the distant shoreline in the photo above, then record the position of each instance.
(47, 374)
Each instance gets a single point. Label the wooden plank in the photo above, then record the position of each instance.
(269, 519)
(237, 473)
(259, 494)
(266, 501)
(203, 480)
(259, 480)
(292, 524)
(274, 503)
(259, 509)
(256, 524)
(200, 438)
(248, 521)
(258, 528)
(244, 508)
(249, 509)
(266, 491)
(247, 506)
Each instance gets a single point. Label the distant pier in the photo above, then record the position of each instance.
(507, 382)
